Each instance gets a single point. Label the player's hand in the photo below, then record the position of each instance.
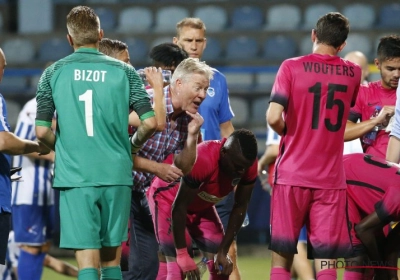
(223, 264)
(187, 265)
(384, 115)
(260, 167)
(43, 149)
(168, 173)
(154, 77)
(195, 124)
(263, 176)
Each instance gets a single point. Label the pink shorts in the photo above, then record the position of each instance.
(203, 227)
(322, 211)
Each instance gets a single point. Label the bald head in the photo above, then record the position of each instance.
(359, 58)
(3, 63)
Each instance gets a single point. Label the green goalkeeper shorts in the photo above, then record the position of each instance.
(94, 217)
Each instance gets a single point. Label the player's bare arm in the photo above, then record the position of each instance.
(49, 156)
(356, 130)
(183, 198)
(187, 157)
(46, 136)
(164, 171)
(13, 145)
(144, 132)
(269, 156)
(134, 119)
(366, 233)
(242, 198)
(274, 117)
(393, 149)
(155, 79)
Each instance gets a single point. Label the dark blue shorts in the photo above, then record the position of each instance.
(5, 227)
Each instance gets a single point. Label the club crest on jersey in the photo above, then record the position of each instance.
(211, 92)
(235, 182)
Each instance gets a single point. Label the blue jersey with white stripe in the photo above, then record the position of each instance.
(215, 109)
(35, 187)
(5, 163)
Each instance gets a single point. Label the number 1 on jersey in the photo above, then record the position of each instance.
(87, 98)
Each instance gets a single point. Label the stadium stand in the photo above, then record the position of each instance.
(215, 17)
(283, 17)
(247, 17)
(135, 20)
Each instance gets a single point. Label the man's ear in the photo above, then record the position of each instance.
(341, 47)
(70, 41)
(376, 62)
(313, 35)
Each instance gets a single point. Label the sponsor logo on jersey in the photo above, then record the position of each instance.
(209, 197)
(211, 92)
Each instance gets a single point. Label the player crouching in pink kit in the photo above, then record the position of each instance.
(186, 210)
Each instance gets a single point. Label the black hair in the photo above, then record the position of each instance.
(388, 48)
(247, 141)
(167, 55)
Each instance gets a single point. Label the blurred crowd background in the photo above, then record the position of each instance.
(246, 40)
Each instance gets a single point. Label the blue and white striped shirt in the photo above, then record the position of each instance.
(35, 188)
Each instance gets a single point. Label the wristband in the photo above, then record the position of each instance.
(184, 261)
(134, 147)
(182, 252)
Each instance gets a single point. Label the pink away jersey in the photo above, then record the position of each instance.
(213, 184)
(316, 92)
(370, 96)
(368, 178)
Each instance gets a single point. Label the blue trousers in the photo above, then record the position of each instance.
(143, 246)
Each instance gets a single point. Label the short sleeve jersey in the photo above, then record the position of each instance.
(369, 96)
(5, 163)
(36, 173)
(216, 108)
(92, 94)
(212, 183)
(316, 92)
(368, 177)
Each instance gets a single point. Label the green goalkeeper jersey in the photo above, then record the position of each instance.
(91, 94)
